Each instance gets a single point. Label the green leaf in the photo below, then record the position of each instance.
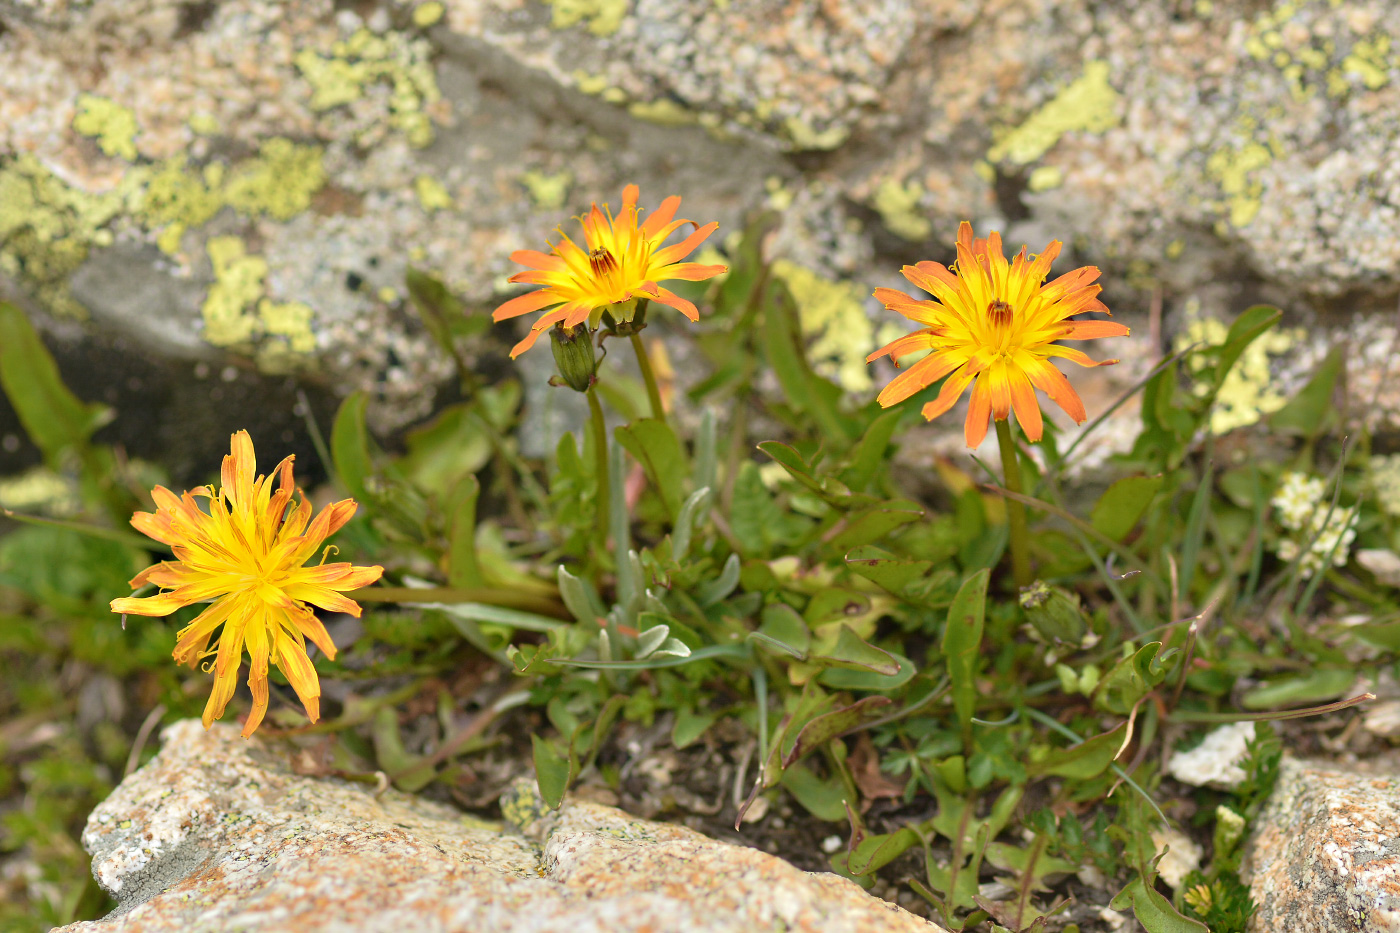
(1196, 527)
(821, 729)
(462, 567)
(898, 576)
(693, 511)
(441, 452)
(868, 456)
(713, 591)
(870, 526)
(850, 679)
(441, 311)
(830, 489)
(855, 653)
(577, 598)
(1153, 910)
(1086, 760)
(1313, 687)
(551, 772)
(655, 446)
(875, 852)
(1307, 413)
(350, 447)
(805, 391)
(1247, 328)
(391, 756)
(54, 418)
(962, 643)
(783, 631)
(1130, 680)
(690, 725)
(824, 799)
(1120, 507)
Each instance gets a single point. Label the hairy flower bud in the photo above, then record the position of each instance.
(573, 354)
(1054, 613)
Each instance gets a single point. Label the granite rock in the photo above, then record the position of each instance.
(1325, 852)
(218, 833)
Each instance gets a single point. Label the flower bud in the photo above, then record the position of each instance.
(573, 354)
(1054, 613)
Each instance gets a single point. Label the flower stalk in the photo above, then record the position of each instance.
(1015, 511)
(600, 461)
(658, 410)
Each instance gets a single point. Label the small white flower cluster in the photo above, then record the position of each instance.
(1302, 509)
(1385, 480)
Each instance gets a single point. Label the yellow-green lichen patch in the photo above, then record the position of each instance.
(432, 195)
(603, 17)
(179, 198)
(1045, 178)
(366, 58)
(1370, 60)
(426, 14)
(47, 227)
(279, 182)
(238, 285)
(832, 314)
(548, 192)
(1087, 104)
(665, 112)
(804, 136)
(1230, 168)
(1248, 393)
(898, 207)
(111, 124)
(590, 84)
(289, 319)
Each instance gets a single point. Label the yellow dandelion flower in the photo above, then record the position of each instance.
(244, 555)
(996, 323)
(622, 262)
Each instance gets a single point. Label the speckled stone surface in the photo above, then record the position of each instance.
(1325, 854)
(259, 175)
(221, 834)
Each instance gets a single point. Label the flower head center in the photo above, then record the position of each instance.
(604, 265)
(999, 313)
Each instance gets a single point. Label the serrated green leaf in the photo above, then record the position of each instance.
(655, 446)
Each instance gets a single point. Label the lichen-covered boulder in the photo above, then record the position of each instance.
(252, 180)
(219, 833)
(1325, 853)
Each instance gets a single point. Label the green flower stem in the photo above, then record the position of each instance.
(1015, 511)
(658, 411)
(600, 460)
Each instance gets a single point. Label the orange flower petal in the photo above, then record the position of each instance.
(524, 304)
(920, 376)
(1090, 330)
(685, 247)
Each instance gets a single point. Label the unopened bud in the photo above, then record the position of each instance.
(1054, 613)
(573, 354)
